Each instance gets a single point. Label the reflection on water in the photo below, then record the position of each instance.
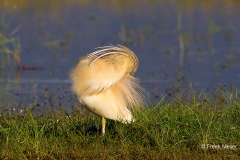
(182, 46)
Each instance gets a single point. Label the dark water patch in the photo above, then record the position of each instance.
(185, 46)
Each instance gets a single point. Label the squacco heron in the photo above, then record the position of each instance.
(103, 81)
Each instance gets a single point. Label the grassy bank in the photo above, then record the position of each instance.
(168, 130)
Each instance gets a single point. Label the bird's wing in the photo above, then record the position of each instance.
(101, 69)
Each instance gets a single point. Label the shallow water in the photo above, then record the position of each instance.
(187, 46)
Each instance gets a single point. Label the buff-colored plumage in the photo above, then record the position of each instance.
(103, 81)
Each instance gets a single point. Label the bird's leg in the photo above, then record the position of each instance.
(103, 125)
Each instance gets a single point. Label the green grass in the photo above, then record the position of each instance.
(167, 130)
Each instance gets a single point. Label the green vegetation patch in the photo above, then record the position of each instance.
(194, 128)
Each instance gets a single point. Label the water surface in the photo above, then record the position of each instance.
(181, 46)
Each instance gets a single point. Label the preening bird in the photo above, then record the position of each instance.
(103, 81)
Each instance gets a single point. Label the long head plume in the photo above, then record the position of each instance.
(107, 51)
(108, 70)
